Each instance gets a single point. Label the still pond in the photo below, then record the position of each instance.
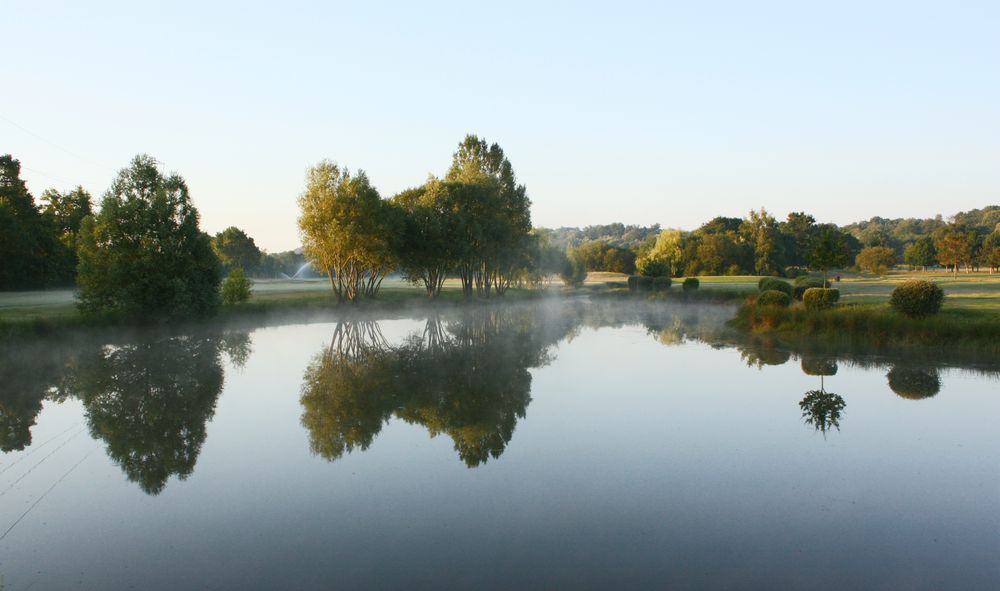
(581, 444)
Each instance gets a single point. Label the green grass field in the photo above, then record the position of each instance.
(967, 294)
(976, 291)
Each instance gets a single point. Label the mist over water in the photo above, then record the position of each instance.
(586, 443)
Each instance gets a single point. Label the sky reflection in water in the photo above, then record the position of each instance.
(589, 444)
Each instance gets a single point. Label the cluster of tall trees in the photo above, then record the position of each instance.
(37, 240)
(141, 254)
(474, 223)
(758, 244)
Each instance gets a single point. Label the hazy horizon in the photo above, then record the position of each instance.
(640, 114)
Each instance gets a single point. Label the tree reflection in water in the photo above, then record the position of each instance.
(28, 376)
(466, 378)
(820, 408)
(149, 401)
(465, 375)
(914, 383)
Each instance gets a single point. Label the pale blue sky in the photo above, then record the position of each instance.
(614, 111)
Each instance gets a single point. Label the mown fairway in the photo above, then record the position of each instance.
(973, 292)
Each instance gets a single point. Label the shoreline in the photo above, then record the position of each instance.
(875, 325)
(848, 325)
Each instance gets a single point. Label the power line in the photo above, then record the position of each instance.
(51, 143)
(47, 175)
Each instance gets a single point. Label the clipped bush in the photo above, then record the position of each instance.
(773, 297)
(615, 284)
(640, 283)
(820, 298)
(661, 283)
(774, 284)
(809, 279)
(804, 283)
(917, 298)
(690, 284)
(236, 288)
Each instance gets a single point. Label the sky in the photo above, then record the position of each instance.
(634, 112)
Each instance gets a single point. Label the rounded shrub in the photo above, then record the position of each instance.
(802, 284)
(795, 272)
(917, 298)
(773, 297)
(820, 298)
(236, 288)
(690, 284)
(661, 283)
(774, 284)
(640, 283)
(810, 279)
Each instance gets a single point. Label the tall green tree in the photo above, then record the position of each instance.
(143, 256)
(429, 247)
(797, 229)
(991, 251)
(665, 257)
(67, 210)
(761, 231)
(236, 250)
(64, 213)
(347, 230)
(876, 259)
(503, 218)
(921, 253)
(953, 246)
(828, 249)
(30, 254)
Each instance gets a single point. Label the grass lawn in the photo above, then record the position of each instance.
(974, 292)
(968, 295)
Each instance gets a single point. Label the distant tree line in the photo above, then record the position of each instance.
(759, 244)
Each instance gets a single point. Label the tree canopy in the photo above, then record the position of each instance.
(347, 230)
(828, 249)
(236, 250)
(143, 256)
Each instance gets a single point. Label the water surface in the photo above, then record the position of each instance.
(580, 444)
